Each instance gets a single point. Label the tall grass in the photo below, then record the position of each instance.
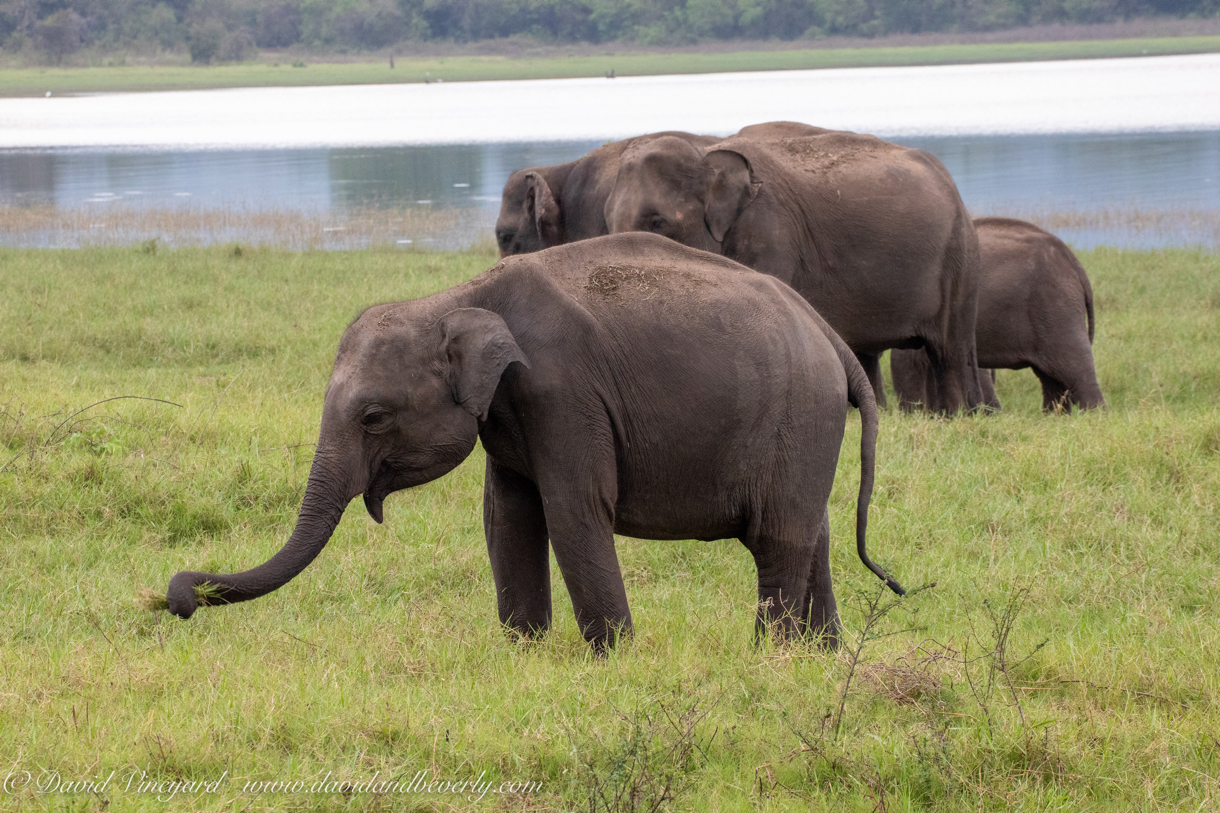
(1063, 659)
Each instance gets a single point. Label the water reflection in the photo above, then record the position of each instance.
(464, 176)
(1023, 175)
(1156, 171)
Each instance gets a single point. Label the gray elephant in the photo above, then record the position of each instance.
(873, 235)
(542, 207)
(623, 384)
(1035, 310)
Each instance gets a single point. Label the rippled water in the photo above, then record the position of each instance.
(1114, 151)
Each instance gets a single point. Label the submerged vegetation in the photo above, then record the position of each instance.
(1060, 656)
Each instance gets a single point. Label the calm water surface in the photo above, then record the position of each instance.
(1088, 137)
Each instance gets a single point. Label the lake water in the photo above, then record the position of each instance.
(1123, 152)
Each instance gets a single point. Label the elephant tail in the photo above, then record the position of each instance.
(860, 395)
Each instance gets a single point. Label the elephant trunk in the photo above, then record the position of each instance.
(321, 510)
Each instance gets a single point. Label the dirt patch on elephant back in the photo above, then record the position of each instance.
(620, 281)
(617, 280)
(824, 153)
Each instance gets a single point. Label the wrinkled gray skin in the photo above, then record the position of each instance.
(542, 207)
(874, 235)
(1035, 310)
(624, 384)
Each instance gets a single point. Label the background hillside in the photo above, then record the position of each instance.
(75, 31)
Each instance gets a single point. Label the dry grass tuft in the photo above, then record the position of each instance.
(151, 600)
(915, 677)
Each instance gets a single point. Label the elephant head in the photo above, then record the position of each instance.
(669, 187)
(402, 409)
(529, 214)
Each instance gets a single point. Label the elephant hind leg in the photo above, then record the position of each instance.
(1087, 394)
(1054, 392)
(955, 378)
(987, 382)
(914, 382)
(783, 558)
(1083, 389)
(1068, 386)
(872, 368)
(820, 616)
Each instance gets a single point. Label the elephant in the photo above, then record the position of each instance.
(874, 235)
(623, 384)
(771, 130)
(1035, 310)
(542, 207)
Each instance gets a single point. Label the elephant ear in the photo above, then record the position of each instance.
(542, 208)
(731, 190)
(477, 347)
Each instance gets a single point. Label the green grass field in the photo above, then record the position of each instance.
(1065, 658)
(39, 81)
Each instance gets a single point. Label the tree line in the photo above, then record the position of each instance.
(233, 30)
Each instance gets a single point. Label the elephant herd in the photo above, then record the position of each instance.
(628, 370)
(874, 235)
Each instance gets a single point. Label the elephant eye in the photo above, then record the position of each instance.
(505, 238)
(656, 223)
(377, 420)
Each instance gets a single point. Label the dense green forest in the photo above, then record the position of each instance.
(232, 30)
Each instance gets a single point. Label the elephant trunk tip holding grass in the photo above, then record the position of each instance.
(624, 384)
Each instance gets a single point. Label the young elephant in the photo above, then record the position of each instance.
(542, 207)
(1035, 310)
(873, 234)
(623, 384)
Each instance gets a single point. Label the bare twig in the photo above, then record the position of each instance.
(301, 640)
(51, 437)
(875, 610)
(6, 465)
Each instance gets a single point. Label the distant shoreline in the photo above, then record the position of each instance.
(580, 61)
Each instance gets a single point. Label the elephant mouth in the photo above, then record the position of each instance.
(386, 481)
(380, 486)
(398, 473)
(373, 505)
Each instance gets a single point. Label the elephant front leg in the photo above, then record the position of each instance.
(581, 526)
(515, 527)
(590, 569)
(820, 619)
